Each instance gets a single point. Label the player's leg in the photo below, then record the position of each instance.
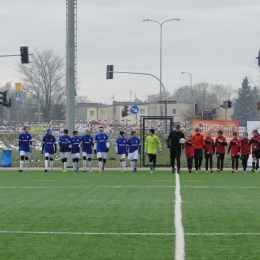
(254, 161)
(233, 163)
(173, 157)
(188, 163)
(65, 164)
(84, 159)
(206, 162)
(89, 156)
(178, 159)
(120, 162)
(46, 161)
(211, 162)
(77, 162)
(237, 163)
(135, 160)
(100, 163)
(218, 162)
(196, 158)
(150, 162)
(26, 157)
(123, 162)
(104, 160)
(73, 156)
(191, 163)
(51, 161)
(21, 160)
(199, 158)
(154, 162)
(257, 161)
(222, 162)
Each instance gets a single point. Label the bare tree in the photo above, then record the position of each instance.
(44, 80)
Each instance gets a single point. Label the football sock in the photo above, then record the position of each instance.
(73, 164)
(100, 164)
(46, 164)
(132, 165)
(51, 164)
(124, 165)
(89, 165)
(85, 164)
(65, 165)
(253, 165)
(27, 163)
(257, 166)
(121, 165)
(151, 165)
(21, 164)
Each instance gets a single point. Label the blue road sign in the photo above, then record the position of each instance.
(18, 97)
(134, 110)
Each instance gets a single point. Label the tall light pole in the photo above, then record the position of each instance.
(183, 72)
(161, 24)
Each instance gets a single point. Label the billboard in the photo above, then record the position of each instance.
(227, 126)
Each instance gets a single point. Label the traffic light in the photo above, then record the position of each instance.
(110, 69)
(214, 111)
(10, 102)
(24, 55)
(4, 97)
(196, 108)
(123, 113)
(126, 111)
(229, 104)
(258, 58)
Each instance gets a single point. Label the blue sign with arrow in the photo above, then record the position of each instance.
(134, 110)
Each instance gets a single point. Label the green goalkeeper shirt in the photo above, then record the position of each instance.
(151, 144)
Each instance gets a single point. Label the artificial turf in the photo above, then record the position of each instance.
(129, 216)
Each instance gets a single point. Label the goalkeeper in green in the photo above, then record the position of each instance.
(151, 149)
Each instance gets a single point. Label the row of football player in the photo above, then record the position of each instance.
(237, 148)
(67, 144)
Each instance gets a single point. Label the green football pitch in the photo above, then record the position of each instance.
(117, 215)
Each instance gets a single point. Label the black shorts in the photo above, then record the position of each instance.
(175, 153)
(256, 154)
(208, 156)
(221, 156)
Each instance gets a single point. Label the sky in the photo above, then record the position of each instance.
(216, 41)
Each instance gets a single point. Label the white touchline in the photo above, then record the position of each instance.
(179, 231)
(84, 233)
(65, 187)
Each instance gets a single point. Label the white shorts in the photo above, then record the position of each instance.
(64, 155)
(88, 155)
(101, 155)
(75, 155)
(121, 156)
(23, 153)
(48, 155)
(133, 155)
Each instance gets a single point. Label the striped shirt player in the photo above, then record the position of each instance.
(121, 150)
(25, 147)
(75, 150)
(49, 147)
(134, 147)
(87, 142)
(65, 148)
(101, 148)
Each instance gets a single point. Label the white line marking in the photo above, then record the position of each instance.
(222, 234)
(64, 187)
(179, 231)
(222, 187)
(86, 233)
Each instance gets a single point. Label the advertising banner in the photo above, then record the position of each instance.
(227, 126)
(38, 128)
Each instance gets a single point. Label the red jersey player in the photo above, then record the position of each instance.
(189, 151)
(245, 150)
(255, 142)
(220, 144)
(209, 150)
(234, 147)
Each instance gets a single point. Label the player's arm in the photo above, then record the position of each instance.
(30, 141)
(225, 142)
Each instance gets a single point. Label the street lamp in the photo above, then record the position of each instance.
(190, 77)
(161, 24)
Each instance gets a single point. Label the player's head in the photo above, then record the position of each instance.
(197, 130)
(255, 132)
(122, 134)
(177, 127)
(75, 133)
(245, 135)
(133, 133)
(189, 136)
(48, 131)
(208, 134)
(25, 129)
(101, 129)
(87, 131)
(235, 134)
(151, 131)
(220, 133)
(65, 131)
